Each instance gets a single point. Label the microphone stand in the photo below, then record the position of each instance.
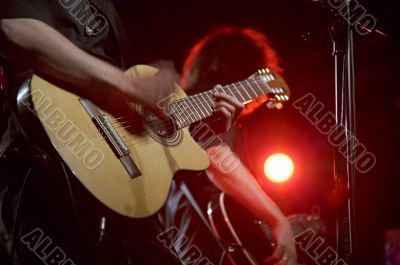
(341, 33)
(344, 176)
(344, 171)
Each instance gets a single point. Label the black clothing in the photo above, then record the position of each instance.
(54, 203)
(186, 211)
(47, 200)
(92, 26)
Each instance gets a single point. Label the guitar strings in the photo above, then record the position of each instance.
(180, 109)
(161, 122)
(197, 102)
(125, 136)
(200, 101)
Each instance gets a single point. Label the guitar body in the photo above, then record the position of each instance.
(127, 159)
(237, 226)
(134, 177)
(251, 238)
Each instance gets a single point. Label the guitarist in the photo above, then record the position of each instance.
(224, 56)
(80, 44)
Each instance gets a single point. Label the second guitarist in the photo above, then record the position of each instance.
(216, 59)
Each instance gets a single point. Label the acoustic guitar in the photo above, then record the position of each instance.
(127, 160)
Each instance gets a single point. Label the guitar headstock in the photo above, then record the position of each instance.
(278, 89)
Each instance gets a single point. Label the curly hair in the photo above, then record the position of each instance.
(227, 55)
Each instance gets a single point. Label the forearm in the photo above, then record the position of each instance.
(38, 46)
(240, 184)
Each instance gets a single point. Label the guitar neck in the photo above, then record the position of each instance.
(200, 106)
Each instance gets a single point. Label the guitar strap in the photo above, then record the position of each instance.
(196, 207)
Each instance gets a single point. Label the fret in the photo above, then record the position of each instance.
(256, 81)
(173, 112)
(178, 122)
(206, 105)
(199, 104)
(210, 95)
(266, 88)
(228, 91)
(241, 95)
(195, 107)
(258, 93)
(203, 105)
(231, 92)
(245, 90)
(220, 90)
(192, 110)
(262, 83)
(181, 113)
(250, 90)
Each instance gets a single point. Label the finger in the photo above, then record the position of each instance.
(231, 100)
(223, 113)
(226, 115)
(235, 111)
(225, 105)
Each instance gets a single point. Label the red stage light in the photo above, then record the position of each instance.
(278, 168)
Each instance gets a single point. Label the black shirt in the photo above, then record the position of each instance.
(93, 26)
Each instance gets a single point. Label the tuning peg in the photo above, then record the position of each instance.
(279, 106)
(270, 104)
(274, 105)
(263, 71)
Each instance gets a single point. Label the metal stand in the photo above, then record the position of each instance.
(344, 158)
(344, 171)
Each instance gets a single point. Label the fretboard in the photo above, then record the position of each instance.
(200, 106)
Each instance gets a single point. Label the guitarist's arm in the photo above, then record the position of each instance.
(240, 184)
(42, 48)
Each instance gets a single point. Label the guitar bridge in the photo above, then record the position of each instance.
(106, 129)
(112, 137)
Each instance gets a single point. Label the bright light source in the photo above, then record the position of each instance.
(278, 168)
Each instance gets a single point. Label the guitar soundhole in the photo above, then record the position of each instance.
(161, 128)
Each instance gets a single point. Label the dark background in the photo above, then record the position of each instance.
(167, 29)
